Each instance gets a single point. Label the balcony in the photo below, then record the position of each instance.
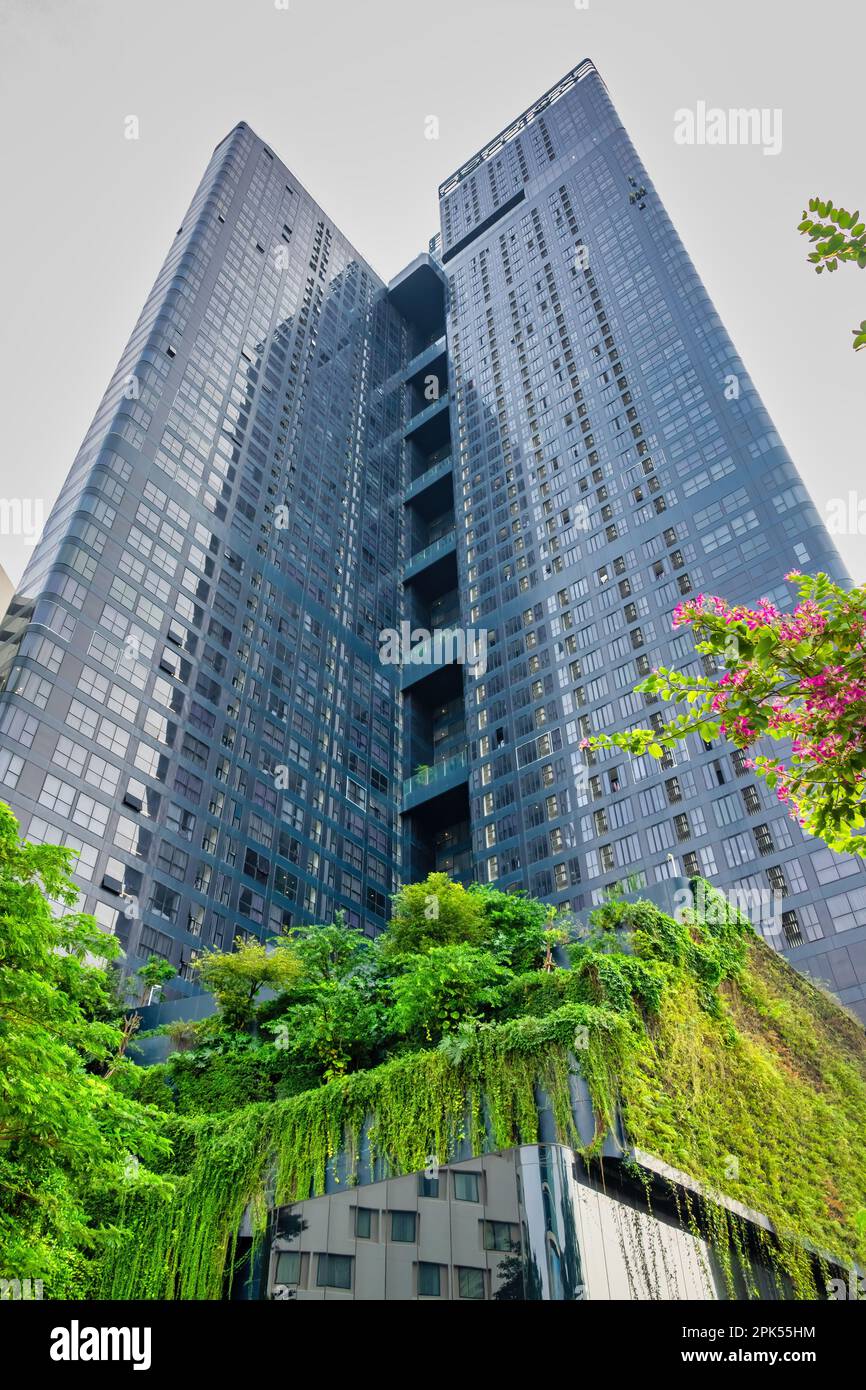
(434, 670)
(418, 293)
(424, 488)
(430, 782)
(432, 555)
(429, 354)
(429, 428)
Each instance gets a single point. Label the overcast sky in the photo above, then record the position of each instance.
(341, 90)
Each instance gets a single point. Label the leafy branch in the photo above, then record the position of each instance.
(841, 237)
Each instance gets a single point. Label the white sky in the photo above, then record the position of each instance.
(340, 89)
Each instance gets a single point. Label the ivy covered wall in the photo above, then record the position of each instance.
(722, 1061)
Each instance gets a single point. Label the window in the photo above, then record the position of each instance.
(181, 821)
(11, 766)
(791, 928)
(466, 1187)
(71, 756)
(164, 903)
(427, 1187)
(334, 1272)
(403, 1226)
(737, 850)
(288, 1269)
(57, 795)
(172, 860)
(364, 1223)
(848, 910)
(763, 839)
(41, 833)
(776, 878)
(470, 1283)
(429, 1281)
(830, 867)
(673, 789)
(498, 1235)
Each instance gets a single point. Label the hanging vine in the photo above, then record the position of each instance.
(717, 1057)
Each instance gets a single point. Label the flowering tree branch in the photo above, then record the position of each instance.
(798, 677)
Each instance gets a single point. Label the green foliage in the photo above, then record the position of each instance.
(420, 1104)
(440, 912)
(443, 986)
(516, 927)
(153, 973)
(437, 912)
(234, 978)
(334, 1029)
(703, 1042)
(63, 1128)
(842, 237)
(184, 1034)
(707, 1042)
(331, 1020)
(329, 954)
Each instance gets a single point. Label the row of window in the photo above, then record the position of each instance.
(336, 1272)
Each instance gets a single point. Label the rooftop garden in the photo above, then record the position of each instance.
(719, 1059)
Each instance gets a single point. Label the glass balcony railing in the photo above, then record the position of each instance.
(425, 353)
(432, 648)
(432, 776)
(433, 551)
(430, 476)
(425, 413)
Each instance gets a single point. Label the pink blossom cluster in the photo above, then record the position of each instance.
(807, 619)
(824, 714)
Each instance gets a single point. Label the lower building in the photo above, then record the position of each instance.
(530, 1223)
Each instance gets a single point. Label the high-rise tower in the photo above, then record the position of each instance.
(610, 456)
(193, 698)
(530, 446)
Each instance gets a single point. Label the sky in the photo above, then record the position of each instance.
(343, 90)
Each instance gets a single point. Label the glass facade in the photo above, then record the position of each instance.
(517, 457)
(610, 457)
(192, 693)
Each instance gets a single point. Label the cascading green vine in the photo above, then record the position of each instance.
(718, 1058)
(181, 1243)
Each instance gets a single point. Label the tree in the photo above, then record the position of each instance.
(330, 953)
(64, 1130)
(234, 978)
(436, 912)
(153, 973)
(444, 987)
(330, 1016)
(440, 912)
(553, 937)
(842, 237)
(336, 1027)
(798, 677)
(515, 926)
